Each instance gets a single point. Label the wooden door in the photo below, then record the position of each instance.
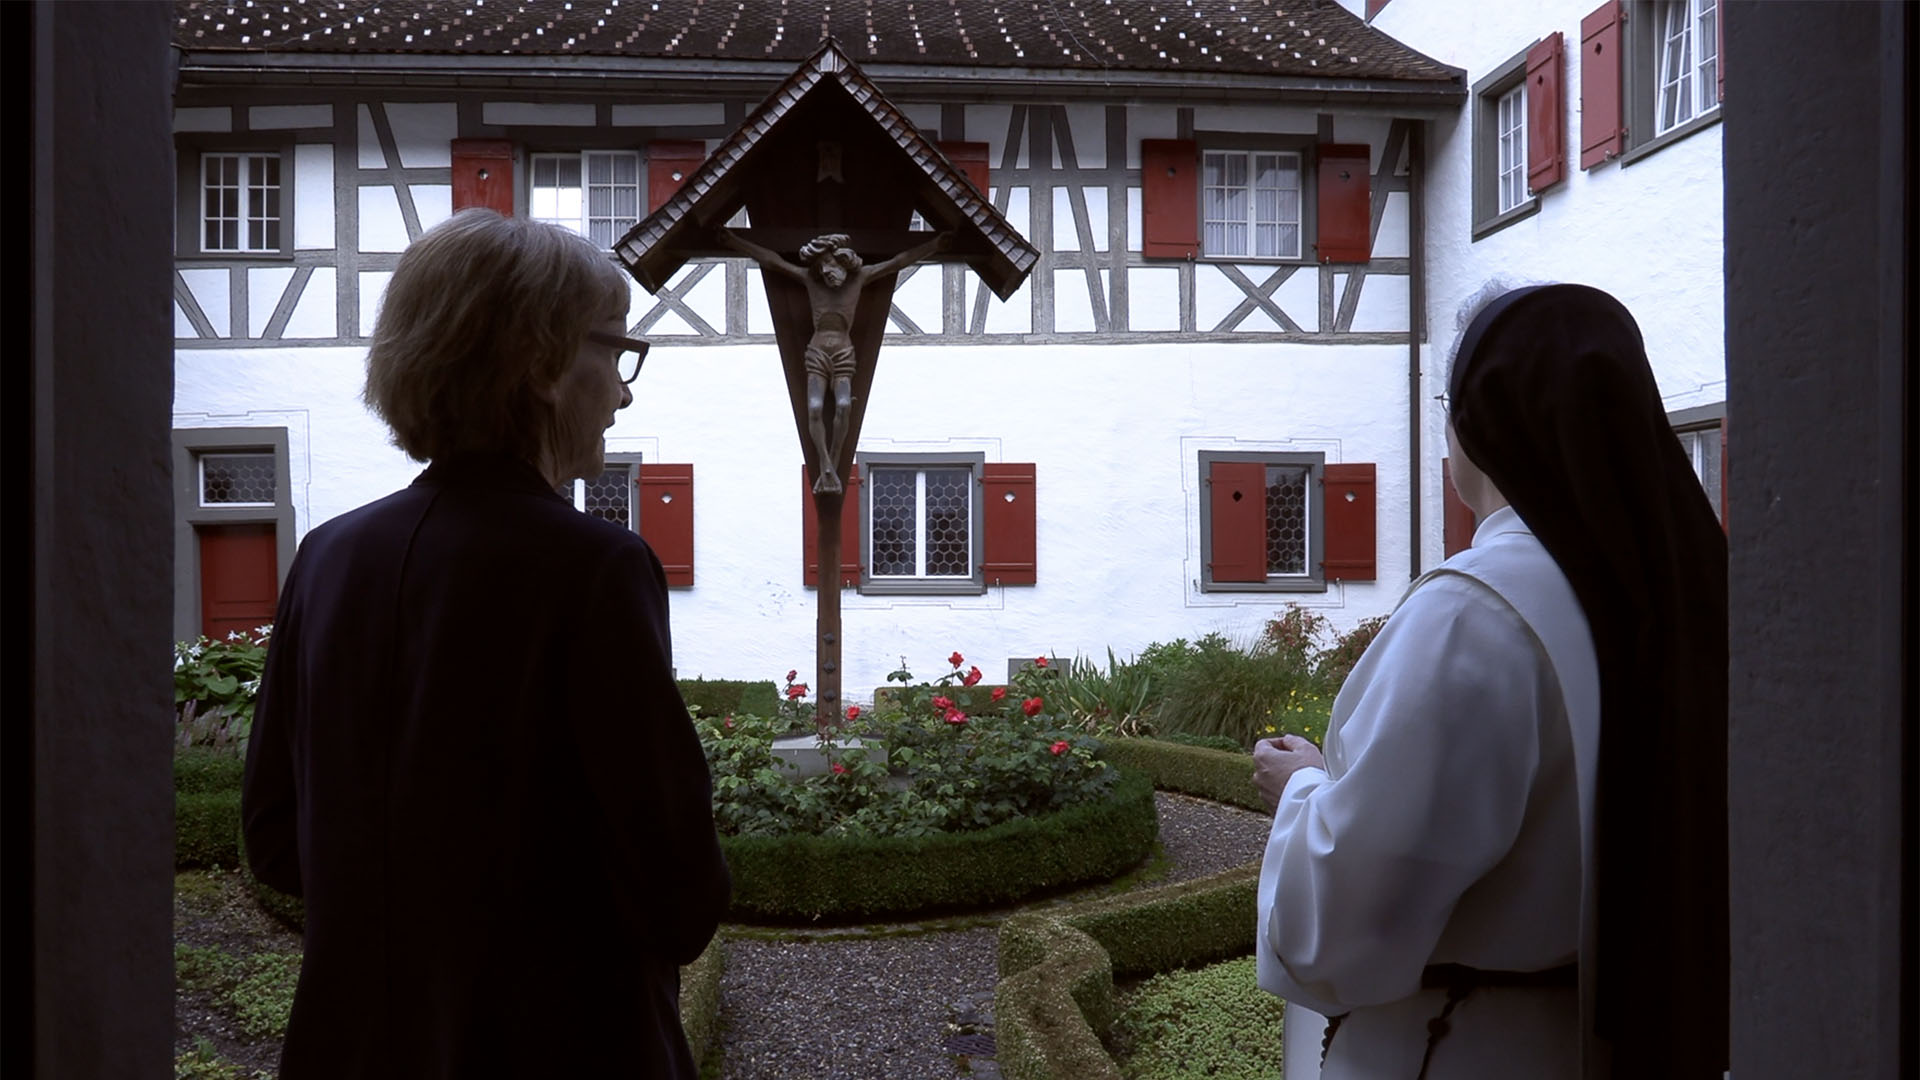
(239, 578)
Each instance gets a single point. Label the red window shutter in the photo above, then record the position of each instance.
(1169, 198)
(1602, 134)
(1346, 204)
(1546, 116)
(483, 174)
(669, 163)
(849, 531)
(1010, 524)
(1237, 502)
(666, 517)
(1349, 535)
(970, 158)
(1458, 516)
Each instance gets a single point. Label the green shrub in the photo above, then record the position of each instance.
(257, 990)
(808, 877)
(1211, 742)
(946, 769)
(204, 1062)
(214, 686)
(1221, 775)
(202, 769)
(700, 997)
(1214, 1022)
(206, 829)
(1244, 694)
(1336, 663)
(721, 697)
(1046, 1015)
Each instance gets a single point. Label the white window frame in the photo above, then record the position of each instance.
(920, 582)
(1510, 139)
(1252, 221)
(581, 219)
(1686, 62)
(245, 187)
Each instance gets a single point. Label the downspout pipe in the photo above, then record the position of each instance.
(1416, 327)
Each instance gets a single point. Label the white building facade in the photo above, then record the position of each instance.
(1212, 390)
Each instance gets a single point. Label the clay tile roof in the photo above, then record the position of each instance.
(659, 244)
(1308, 38)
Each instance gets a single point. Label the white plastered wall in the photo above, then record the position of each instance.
(1649, 232)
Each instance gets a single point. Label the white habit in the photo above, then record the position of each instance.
(1451, 826)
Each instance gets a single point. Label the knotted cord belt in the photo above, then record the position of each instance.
(1459, 980)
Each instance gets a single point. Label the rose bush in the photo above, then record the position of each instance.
(957, 759)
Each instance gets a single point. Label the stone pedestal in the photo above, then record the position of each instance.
(803, 755)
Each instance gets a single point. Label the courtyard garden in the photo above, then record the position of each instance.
(1051, 877)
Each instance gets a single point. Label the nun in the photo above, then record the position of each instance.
(1510, 859)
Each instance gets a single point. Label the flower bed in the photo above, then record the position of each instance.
(808, 878)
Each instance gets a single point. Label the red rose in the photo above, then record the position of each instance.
(839, 768)
(792, 675)
(941, 704)
(1061, 747)
(1039, 661)
(956, 659)
(955, 716)
(1032, 706)
(853, 712)
(796, 691)
(972, 676)
(729, 723)
(999, 692)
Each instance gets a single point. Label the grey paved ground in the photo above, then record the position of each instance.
(862, 1007)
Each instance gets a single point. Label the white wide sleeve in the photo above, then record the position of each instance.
(1438, 746)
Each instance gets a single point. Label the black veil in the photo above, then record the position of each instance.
(1552, 397)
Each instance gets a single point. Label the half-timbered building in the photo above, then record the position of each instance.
(1213, 395)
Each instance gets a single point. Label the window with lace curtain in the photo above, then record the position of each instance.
(596, 193)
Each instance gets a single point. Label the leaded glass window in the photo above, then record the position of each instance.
(1286, 520)
(1250, 204)
(237, 479)
(240, 202)
(608, 496)
(922, 522)
(596, 193)
(1688, 78)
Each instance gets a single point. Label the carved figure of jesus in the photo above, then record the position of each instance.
(835, 279)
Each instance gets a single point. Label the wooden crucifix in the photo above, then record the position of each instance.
(830, 174)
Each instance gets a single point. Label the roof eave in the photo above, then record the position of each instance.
(924, 82)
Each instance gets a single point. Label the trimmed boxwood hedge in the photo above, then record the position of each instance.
(1192, 770)
(1049, 1011)
(700, 997)
(1046, 1016)
(206, 808)
(822, 879)
(720, 697)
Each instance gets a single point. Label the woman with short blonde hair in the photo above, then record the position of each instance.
(469, 756)
(482, 310)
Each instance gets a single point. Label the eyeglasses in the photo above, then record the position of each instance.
(629, 355)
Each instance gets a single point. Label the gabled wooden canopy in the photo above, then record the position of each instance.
(830, 96)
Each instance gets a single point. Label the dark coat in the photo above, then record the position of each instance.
(470, 758)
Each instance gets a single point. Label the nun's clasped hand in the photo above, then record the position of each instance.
(1276, 760)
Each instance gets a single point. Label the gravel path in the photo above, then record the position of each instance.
(858, 1006)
